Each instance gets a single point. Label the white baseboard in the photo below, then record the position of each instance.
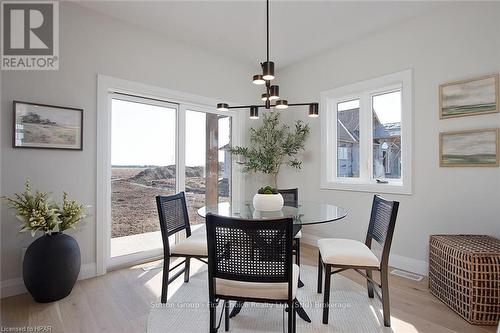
(16, 286)
(87, 271)
(310, 239)
(13, 287)
(405, 263)
(409, 264)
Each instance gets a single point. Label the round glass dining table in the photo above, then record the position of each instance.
(305, 212)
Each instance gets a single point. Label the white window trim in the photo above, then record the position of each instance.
(106, 86)
(364, 91)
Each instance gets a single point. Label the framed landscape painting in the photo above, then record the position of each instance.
(47, 126)
(469, 148)
(469, 97)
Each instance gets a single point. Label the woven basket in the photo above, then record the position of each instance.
(464, 273)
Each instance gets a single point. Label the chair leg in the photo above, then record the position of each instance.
(369, 284)
(164, 283)
(320, 273)
(384, 279)
(186, 269)
(213, 317)
(290, 317)
(326, 301)
(295, 305)
(226, 315)
(297, 258)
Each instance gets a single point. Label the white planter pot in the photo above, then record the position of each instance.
(268, 202)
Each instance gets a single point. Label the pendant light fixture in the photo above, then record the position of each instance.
(258, 79)
(222, 107)
(281, 104)
(272, 91)
(314, 110)
(254, 112)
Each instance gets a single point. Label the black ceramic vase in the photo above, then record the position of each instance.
(51, 266)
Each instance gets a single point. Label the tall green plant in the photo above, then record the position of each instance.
(273, 145)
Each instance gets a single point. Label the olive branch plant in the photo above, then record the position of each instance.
(273, 145)
(38, 212)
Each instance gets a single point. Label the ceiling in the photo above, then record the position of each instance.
(299, 29)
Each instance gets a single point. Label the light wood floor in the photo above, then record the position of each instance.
(120, 302)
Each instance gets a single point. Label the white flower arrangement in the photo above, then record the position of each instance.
(38, 213)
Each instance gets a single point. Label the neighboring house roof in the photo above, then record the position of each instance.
(387, 131)
(343, 134)
(225, 147)
(392, 129)
(348, 127)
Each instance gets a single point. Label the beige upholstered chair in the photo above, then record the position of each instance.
(343, 254)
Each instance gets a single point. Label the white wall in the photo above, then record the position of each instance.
(92, 43)
(455, 41)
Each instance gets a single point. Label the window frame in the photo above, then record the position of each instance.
(365, 91)
(106, 87)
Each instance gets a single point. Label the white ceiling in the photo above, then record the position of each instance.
(299, 29)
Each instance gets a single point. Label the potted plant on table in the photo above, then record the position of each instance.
(52, 262)
(273, 145)
(268, 199)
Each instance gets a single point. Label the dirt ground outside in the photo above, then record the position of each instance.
(133, 204)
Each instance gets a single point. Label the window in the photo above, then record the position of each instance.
(386, 127)
(366, 136)
(143, 149)
(147, 139)
(348, 139)
(143, 165)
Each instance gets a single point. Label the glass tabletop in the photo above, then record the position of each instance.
(306, 212)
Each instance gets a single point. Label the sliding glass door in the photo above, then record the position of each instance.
(143, 165)
(208, 162)
(149, 159)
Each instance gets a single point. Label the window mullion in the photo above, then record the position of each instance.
(333, 141)
(369, 144)
(181, 149)
(364, 139)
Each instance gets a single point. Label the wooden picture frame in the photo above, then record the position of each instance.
(469, 148)
(43, 126)
(470, 97)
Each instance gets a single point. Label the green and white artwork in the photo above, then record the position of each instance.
(469, 148)
(469, 97)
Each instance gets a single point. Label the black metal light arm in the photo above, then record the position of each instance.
(263, 106)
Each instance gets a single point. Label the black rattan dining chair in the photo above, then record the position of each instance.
(291, 198)
(343, 254)
(174, 218)
(250, 261)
